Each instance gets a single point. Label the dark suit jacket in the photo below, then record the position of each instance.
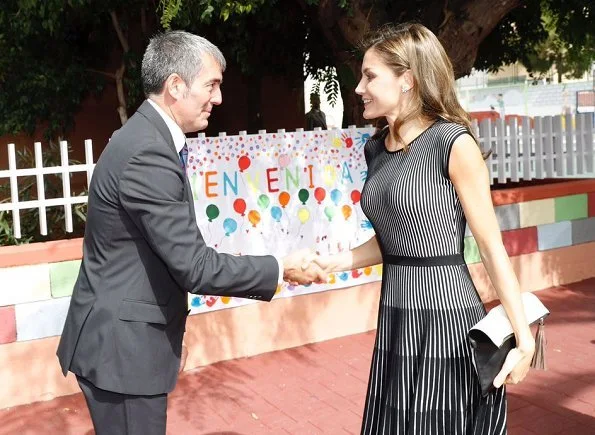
(142, 253)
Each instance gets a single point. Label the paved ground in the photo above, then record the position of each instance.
(320, 388)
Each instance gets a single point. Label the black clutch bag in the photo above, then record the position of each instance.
(493, 337)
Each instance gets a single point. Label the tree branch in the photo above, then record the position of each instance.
(119, 32)
(102, 73)
(121, 95)
(119, 76)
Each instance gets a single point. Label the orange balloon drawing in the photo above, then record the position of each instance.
(346, 211)
(284, 199)
(254, 217)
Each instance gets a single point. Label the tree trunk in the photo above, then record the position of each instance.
(353, 108)
(343, 30)
(461, 27)
(121, 109)
(462, 31)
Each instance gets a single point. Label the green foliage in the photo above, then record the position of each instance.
(42, 81)
(542, 33)
(57, 53)
(29, 218)
(204, 12)
(328, 77)
(169, 10)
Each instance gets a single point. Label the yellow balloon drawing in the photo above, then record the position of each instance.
(331, 278)
(303, 215)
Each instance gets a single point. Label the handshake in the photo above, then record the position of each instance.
(305, 267)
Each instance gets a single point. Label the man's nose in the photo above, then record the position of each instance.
(217, 97)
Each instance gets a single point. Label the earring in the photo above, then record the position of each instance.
(405, 89)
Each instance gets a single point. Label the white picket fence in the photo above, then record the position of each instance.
(42, 203)
(538, 148)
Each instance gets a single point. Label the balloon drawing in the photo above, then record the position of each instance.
(229, 225)
(212, 212)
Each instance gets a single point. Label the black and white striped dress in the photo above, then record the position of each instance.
(422, 379)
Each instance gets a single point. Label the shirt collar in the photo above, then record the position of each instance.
(176, 132)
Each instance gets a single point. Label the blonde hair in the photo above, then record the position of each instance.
(412, 46)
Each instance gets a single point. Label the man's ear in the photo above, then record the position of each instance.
(175, 86)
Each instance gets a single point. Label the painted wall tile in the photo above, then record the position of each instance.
(522, 241)
(583, 231)
(63, 276)
(571, 207)
(508, 216)
(591, 200)
(24, 284)
(471, 251)
(8, 328)
(554, 235)
(539, 212)
(41, 319)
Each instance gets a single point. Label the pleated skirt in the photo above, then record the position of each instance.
(422, 378)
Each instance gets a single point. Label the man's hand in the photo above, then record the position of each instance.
(298, 268)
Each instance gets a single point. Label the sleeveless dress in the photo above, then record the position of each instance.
(422, 378)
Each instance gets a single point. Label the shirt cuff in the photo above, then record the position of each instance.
(281, 270)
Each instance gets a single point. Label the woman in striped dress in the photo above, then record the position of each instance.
(426, 179)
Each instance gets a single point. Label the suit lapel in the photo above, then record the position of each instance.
(151, 114)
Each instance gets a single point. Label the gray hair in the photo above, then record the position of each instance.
(175, 52)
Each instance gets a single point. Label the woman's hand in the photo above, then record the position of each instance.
(516, 366)
(323, 261)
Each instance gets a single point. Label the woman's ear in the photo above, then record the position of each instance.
(408, 79)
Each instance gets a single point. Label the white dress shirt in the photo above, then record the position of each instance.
(179, 141)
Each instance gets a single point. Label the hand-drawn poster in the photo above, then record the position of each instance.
(274, 193)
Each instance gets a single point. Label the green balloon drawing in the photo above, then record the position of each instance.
(303, 195)
(212, 212)
(263, 201)
(330, 212)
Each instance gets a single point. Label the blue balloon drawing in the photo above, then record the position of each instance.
(276, 213)
(336, 196)
(229, 225)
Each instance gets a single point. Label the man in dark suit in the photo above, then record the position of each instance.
(143, 251)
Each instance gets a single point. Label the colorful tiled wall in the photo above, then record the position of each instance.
(34, 298)
(541, 225)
